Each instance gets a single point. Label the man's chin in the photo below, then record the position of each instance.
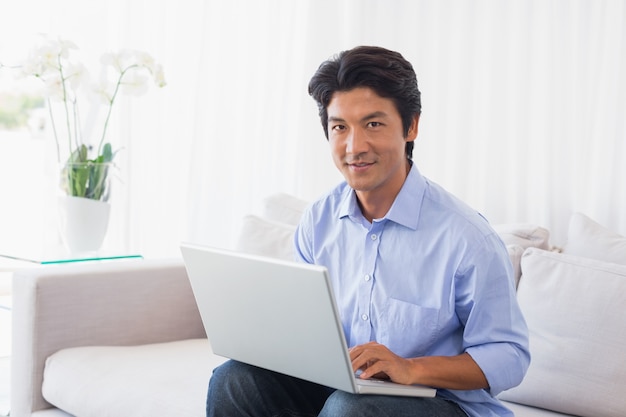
(360, 186)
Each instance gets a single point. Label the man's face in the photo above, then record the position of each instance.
(367, 142)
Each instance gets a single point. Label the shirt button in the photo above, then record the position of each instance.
(364, 317)
(366, 278)
(373, 236)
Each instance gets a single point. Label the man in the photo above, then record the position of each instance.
(423, 284)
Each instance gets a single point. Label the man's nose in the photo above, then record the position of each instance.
(356, 142)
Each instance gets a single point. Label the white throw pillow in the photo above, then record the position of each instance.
(586, 237)
(518, 237)
(574, 308)
(524, 235)
(268, 238)
(283, 208)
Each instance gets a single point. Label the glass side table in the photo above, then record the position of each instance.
(11, 261)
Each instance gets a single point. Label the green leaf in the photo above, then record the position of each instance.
(79, 155)
(107, 153)
(87, 178)
(79, 174)
(97, 181)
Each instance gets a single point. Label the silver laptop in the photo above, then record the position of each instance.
(277, 315)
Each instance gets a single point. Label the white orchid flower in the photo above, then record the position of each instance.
(134, 83)
(113, 60)
(127, 71)
(159, 76)
(144, 59)
(54, 87)
(65, 47)
(102, 91)
(74, 75)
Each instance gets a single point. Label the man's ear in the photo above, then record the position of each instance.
(412, 133)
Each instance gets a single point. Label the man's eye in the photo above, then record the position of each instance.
(338, 128)
(375, 124)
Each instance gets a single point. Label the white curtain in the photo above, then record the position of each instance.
(524, 105)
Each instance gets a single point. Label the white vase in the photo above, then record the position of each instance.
(83, 223)
(83, 206)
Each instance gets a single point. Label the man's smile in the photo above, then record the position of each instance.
(359, 166)
(359, 163)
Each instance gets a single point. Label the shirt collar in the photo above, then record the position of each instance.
(405, 208)
(349, 206)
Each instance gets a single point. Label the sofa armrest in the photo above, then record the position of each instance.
(103, 303)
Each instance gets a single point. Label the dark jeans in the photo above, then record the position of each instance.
(237, 389)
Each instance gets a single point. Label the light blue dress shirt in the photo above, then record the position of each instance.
(430, 278)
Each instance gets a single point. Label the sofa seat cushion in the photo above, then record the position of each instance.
(520, 410)
(145, 380)
(574, 307)
(50, 412)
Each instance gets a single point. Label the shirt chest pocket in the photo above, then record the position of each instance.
(409, 330)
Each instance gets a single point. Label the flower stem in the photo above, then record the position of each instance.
(117, 89)
(67, 112)
(54, 130)
(77, 135)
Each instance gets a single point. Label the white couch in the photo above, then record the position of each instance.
(125, 338)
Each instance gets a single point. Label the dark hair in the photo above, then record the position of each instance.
(384, 71)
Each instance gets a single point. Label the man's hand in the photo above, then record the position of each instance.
(458, 372)
(377, 361)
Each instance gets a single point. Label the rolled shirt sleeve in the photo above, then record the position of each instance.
(495, 334)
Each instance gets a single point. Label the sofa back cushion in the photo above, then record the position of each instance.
(283, 208)
(574, 308)
(265, 237)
